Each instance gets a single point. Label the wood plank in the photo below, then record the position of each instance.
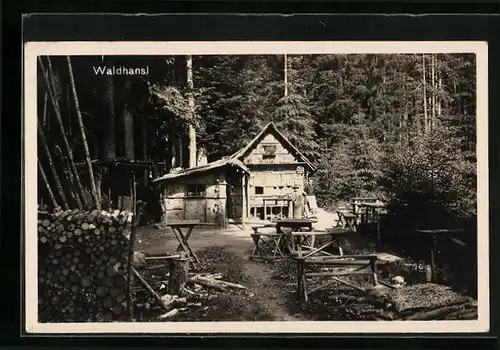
(344, 257)
(339, 273)
(165, 257)
(439, 231)
(183, 223)
(338, 262)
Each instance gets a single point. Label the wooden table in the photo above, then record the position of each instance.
(294, 225)
(359, 200)
(336, 265)
(301, 241)
(275, 200)
(270, 240)
(347, 220)
(373, 210)
(432, 234)
(183, 237)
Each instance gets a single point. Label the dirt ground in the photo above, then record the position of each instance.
(227, 251)
(270, 294)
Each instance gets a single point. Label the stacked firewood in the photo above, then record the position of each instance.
(83, 265)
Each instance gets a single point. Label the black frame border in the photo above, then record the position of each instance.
(201, 27)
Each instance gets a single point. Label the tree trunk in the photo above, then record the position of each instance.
(439, 105)
(144, 129)
(93, 189)
(285, 73)
(192, 130)
(426, 121)
(178, 276)
(57, 111)
(109, 146)
(46, 181)
(53, 170)
(69, 175)
(45, 102)
(433, 77)
(128, 124)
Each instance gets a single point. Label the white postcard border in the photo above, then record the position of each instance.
(34, 49)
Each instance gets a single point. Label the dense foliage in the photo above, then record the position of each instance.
(400, 125)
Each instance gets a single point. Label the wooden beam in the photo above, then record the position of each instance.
(248, 195)
(244, 206)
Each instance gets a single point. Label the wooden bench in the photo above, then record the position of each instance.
(432, 235)
(345, 265)
(262, 240)
(346, 220)
(304, 243)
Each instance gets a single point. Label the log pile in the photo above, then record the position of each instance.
(83, 265)
(417, 302)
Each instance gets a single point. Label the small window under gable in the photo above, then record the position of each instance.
(259, 190)
(269, 151)
(196, 190)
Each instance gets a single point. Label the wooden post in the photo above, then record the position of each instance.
(134, 198)
(265, 209)
(109, 197)
(181, 155)
(178, 274)
(433, 263)
(247, 189)
(373, 266)
(300, 271)
(130, 282)
(244, 212)
(378, 226)
(164, 205)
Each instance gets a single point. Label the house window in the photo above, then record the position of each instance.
(196, 190)
(269, 151)
(259, 190)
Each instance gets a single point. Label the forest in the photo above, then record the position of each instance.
(400, 126)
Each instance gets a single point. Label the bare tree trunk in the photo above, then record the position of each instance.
(109, 149)
(69, 175)
(405, 123)
(46, 181)
(433, 63)
(45, 102)
(285, 73)
(174, 155)
(439, 105)
(181, 153)
(144, 128)
(128, 124)
(192, 130)
(57, 180)
(93, 189)
(426, 122)
(57, 111)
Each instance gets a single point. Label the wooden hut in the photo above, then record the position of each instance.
(212, 193)
(256, 183)
(278, 170)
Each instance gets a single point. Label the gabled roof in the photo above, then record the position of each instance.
(271, 128)
(202, 168)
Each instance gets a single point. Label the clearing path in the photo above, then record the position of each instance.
(257, 276)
